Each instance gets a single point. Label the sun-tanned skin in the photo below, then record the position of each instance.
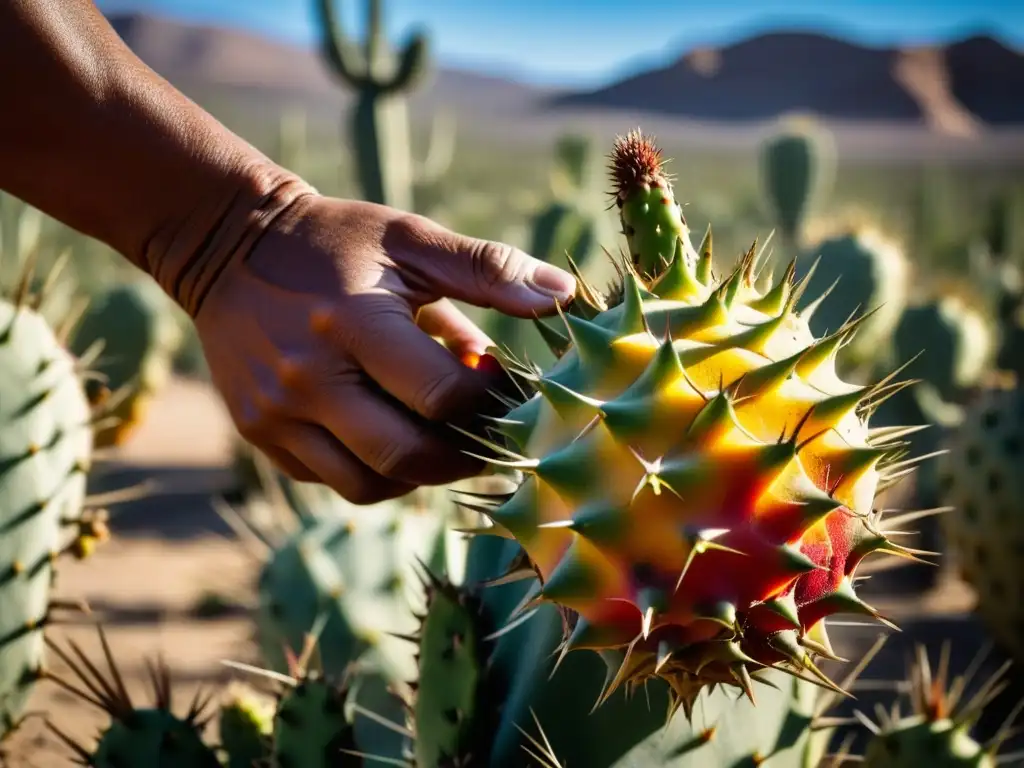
(315, 313)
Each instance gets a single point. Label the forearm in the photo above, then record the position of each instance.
(93, 137)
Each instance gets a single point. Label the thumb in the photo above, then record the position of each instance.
(489, 274)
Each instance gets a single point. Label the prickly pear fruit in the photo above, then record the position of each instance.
(980, 479)
(699, 482)
(135, 738)
(140, 336)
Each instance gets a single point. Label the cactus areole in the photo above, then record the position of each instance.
(698, 481)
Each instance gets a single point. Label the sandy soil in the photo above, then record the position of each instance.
(172, 549)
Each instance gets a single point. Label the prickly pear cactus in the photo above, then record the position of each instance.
(870, 276)
(246, 724)
(937, 732)
(949, 342)
(45, 453)
(797, 169)
(151, 737)
(346, 573)
(310, 726)
(140, 335)
(981, 479)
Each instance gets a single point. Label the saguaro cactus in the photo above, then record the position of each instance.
(379, 126)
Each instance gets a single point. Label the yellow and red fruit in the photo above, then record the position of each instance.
(699, 482)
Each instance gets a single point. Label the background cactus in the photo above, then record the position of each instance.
(379, 132)
(797, 170)
(981, 479)
(140, 333)
(45, 454)
(871, 278)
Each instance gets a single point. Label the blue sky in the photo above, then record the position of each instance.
(586, 42)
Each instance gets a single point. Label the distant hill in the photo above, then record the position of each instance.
(878, 102)
(975, 80)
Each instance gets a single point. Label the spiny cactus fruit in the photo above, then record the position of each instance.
(937, 732)
(45, 453)
(797, 168)
(246, 724)
(980, 479)
(135, 738)
(861, 271)
(948, 342)
(699, 482)
(140, 335)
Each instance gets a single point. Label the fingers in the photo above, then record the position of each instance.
(480, 272)
(447, 322)
(392, 441)
(336, 466)
(288, 464)
(420, 373)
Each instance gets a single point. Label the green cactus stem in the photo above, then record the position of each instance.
(379, 129)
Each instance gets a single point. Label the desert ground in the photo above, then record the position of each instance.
(171, 550)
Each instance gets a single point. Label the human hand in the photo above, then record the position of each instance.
(320, 343)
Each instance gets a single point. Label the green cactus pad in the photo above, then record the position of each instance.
(246, 726)
(870, 275)
(797, 166)
(980, 478)
(452, 711)
(310, 728)
(140, 334)
(953, 341)
(45, 451)
(352, 570)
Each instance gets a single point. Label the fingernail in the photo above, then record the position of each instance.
(552, 281)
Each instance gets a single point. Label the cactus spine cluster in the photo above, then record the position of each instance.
(135, 737)
(937, 731)
(699, 482)
(379, 129)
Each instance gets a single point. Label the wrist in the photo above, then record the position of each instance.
(186, 255)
